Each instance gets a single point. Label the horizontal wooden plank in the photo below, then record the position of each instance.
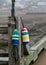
(3, 49)
(3, 63)
(39, 43)
(3, 59)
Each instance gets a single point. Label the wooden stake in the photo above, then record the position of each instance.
(10, 28)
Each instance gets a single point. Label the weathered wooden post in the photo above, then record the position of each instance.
(12, 24)
(10, 27)
(19, 48)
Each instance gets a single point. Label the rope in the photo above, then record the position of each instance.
(22, 22)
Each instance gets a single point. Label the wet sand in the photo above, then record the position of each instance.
(41, 59)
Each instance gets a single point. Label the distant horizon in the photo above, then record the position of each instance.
(24, 6)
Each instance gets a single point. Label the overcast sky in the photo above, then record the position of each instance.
(25, 5)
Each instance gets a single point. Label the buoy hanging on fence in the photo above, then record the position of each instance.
(25, 36)
(15, 37)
